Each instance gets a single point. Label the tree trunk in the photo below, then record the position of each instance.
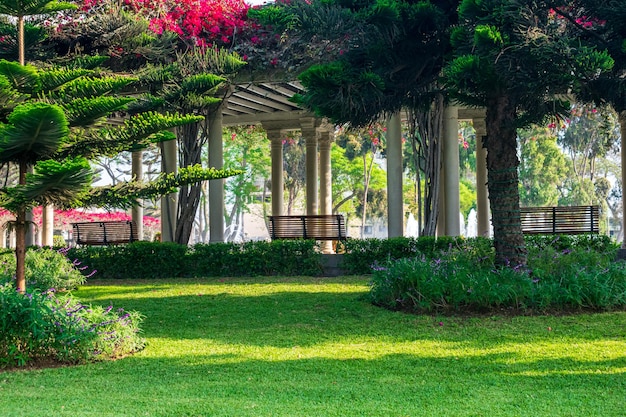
(426, 128)
(503, 182)
(190, 152)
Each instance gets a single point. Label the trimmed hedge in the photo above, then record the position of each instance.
(171, 260)
(291, 257)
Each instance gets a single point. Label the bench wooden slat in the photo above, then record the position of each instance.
(104, 233)
(560, 220)
(318, 227)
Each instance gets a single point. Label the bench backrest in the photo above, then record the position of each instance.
(318, 227)
(560, 220)
(104, 233)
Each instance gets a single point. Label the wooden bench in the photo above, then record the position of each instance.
(104, 233)
(317, 227)
(566, 220)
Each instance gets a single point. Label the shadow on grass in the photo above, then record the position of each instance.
(284, 319)
(226, 354)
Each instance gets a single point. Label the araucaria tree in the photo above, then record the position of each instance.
(516, 59)
(54, 121)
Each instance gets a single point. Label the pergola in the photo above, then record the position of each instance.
(268, 103)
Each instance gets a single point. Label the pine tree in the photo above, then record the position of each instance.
(517, 60)
(55, 121)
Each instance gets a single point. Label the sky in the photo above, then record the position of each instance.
(257, 2)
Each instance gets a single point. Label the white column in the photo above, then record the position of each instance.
(451, 170)
(326, 178)
(216, 187)
(169, 156)
(326, 184)
(309, 133)
(395, 203)
(277, 181)
(137, 174)
(622, 122)
(482, 195)
(47, 225)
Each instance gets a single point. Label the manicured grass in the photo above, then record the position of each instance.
(315, 347)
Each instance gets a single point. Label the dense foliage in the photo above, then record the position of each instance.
(41, 327)
(561, 275)
(167, 259)
(46, 269)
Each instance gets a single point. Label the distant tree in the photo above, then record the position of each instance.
(543, 167)
(245, 149)
(591, 133)
(294, 168)
(365, 145)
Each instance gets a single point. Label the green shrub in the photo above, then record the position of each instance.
(163, 260)
(599, 243)
(135, 260)
(458, 280)
(43, 326)
(58, 241)
(45, 269)
(362, 254)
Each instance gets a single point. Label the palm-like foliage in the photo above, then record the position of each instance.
(60, 127)
(189, 86)
(22, 8)
(603, 23)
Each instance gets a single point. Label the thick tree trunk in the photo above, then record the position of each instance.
(188, 196)
(503, 182)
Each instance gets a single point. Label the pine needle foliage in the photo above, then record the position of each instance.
(59, 127)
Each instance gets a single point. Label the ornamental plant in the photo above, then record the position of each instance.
(57, 136)
(200, 22)
(40, 326)
(47, 269)
(582, 276)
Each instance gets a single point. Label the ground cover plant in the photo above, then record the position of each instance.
(561, 275)
(301, 346)
(47, 325)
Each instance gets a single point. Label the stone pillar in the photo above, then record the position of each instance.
(621, 254)
(326, 178)
(169, 156)
(47, 225)
(395, 202)
(326, 184)
(309, 133)
(137, 174)
(12, 239)
(482, 195)
(451, 170)
(277, 181)
(216, 187)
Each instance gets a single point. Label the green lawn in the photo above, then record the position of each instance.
(315, 347)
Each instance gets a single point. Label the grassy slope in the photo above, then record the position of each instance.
(314, 347)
